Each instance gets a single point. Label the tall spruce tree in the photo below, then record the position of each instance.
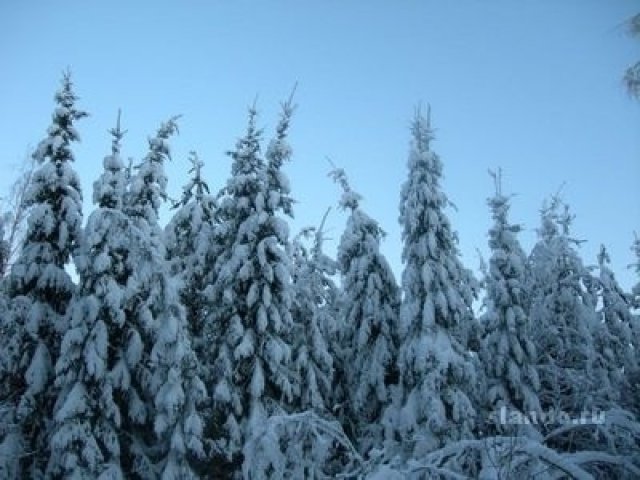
(631, 391)
(369, 308)
(159, 355)
(39, 286)
(615, 343)
(563, 316)
(433, 407)
(508, 353)
(86, 438)
(615, 339)
(188, 240)
(314, 316)
(249, 326)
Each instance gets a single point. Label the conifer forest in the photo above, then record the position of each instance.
(222, 345)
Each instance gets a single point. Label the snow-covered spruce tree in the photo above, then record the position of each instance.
(562, 316)
(187, 239)
(308, 443)
(573, 372)
(249, 325)
(631, 393)
(508, 354)
(613, 338)
(159, 358)
(314, 316)
(369, 308)
(433, 407)
(278, 152)
(86, 433)
(39, 286)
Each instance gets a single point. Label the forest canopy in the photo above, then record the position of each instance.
(223, 345)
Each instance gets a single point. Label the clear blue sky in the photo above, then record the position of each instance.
(531, 86)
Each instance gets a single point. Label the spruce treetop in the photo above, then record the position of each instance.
(508, 353)
(61, 132)
(435, 314)
(196, 183)
(149, 186)
(278, 152)
(109, 189)
(349, 199)
(246, 158)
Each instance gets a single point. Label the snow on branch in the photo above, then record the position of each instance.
(350, 199)
(300, 445)
(500, 457)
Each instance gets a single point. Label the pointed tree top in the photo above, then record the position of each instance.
(421, 128)
(287, 109)
(253, 114)
(66, 97)
(603, 256)
(200, 185)
(499, 203)
(252, 129)
(196, 182)
(117, 133)
(168, 128)
(246, 156)
(196, 163)
(319, 234)
(61, 132)
(350, 199)
(158, 147)
(549, 216)
(289, 105)
(497, 180)
(565, 219)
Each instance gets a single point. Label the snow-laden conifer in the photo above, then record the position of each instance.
(630, 396)
(278, 153)
(110, 189)
(572, 346)
(562, 316)
(39, 286)
(86, 435)
(508, 353)
(615, 343)
(369, 308)
(314, 316)
(158, 354)
(300, 445)
(616, 368)
(188, 240)
(250, 324)
(433, 407)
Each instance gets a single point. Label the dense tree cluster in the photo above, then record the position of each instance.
(220, 346)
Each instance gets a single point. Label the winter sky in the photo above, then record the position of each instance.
(531, 86)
